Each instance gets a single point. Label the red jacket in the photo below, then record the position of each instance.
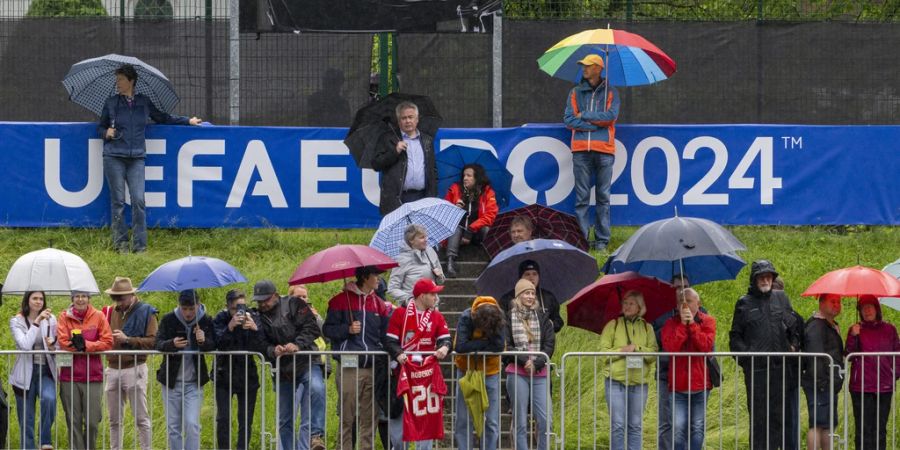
(688, 373)
(487, 206)
(97, 338)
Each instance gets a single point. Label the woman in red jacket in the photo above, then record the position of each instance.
(472, 193)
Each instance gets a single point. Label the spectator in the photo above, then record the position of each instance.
(665, 433)
(186, 329)
(122, 126)
(406, 162)
(417, 260)
(764, 321)
(323, 365)
(627, 378)
(356, 322)
(480, 329)
(822, 335)
(472, 193)
(791, 386)
(547, 302)
(521, 229)
(289, 326)
(134, 325)
(236, 329)
(417, 328)
(82, 329)
(529, 329)
(34, 375)
(692, 331)
(872, 378)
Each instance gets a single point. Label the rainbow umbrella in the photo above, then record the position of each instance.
(630, 59)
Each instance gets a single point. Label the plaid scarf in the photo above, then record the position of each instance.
(526, 327)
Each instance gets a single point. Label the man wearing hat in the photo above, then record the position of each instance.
(356, 321)
(547, 302)
(592, 109)
(134, 326)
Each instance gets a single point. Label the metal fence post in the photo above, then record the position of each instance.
(497, 74)
(234, 63)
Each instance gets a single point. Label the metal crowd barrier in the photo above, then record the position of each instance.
(870, 410)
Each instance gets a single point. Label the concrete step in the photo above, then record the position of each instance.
(455, 303)
(466, 268)
(456, 286)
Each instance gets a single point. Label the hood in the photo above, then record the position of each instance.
(869, 299)
(352, 288)
(756, 269)
(584, 85)
(201, 311)
(484, 300)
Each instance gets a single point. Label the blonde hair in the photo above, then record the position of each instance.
(638, 298)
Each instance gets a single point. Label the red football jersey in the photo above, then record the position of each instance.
(417, 331)
(424, 390)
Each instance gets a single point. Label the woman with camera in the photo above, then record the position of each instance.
(472, 193)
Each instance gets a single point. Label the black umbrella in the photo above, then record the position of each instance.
(379, 117)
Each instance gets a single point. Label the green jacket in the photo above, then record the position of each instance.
(619, 333)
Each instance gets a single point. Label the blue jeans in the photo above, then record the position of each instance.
(119, 173)
(593, 170)
(464, 428)
(664, 415)
(625, 403)
(519, 395)
(182, 404)
(307, 394)
(690, 417)
(41, 384)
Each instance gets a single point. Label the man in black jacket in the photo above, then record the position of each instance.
(547, 302)
(186, 329)
(822, 335)
(406, 162)
(289, 326)
(764, 322)
(237, 329)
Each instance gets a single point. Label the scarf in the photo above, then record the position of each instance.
(80, 315)
(422, 324)
(526, 327)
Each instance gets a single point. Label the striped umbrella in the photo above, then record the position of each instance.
(630, 59)
(92, 81)
(439, 217)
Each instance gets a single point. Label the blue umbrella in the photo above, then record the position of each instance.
(700, 249)
(439, 217)
(191, 272)
(92, 81)
(564, 268)
(450, 163)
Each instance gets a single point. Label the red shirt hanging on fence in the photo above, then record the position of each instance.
(424, 390)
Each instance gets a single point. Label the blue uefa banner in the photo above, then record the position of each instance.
(305, 177)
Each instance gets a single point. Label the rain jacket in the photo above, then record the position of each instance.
(596, 129)
(876, 336)
(25, 335)
(820, 337)
(487, 207)
(392, 166)
(414, 265)
(688, 373)
(171, 327)
(290, 321)
(130, 123)
(237, 371)
(469, 339)
(619, 333)
(764, 323)
(351, 305)
(97, 338)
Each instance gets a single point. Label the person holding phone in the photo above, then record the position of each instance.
(472, 193)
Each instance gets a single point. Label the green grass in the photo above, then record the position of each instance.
(801, 255)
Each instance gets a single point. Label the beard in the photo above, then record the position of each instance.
(765, 289)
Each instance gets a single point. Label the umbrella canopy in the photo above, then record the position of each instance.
(548, 224)
(339, 262)
(53, 271)
(191, 272)
(893, 269)
(450, 163)
(854, 282)
(564, 269)
(599, 302)
(703, 249)
(630, 59)
(92, 81)
(379, 117)
(439, 217)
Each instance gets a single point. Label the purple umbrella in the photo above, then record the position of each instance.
(190, 273)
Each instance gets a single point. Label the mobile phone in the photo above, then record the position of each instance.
(181, 334)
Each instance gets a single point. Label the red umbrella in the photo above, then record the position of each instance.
(339, 262)
(548, 224)
(599, 302)
(855, 281)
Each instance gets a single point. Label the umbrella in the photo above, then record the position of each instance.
(450, 163)
(339, 262)
(439, 217)
(376, 118)
(475, 395)
(893, 269)
(630, 59)
(92, 81)
(564, 269)
(700, 249)
(53, 271)
(599, 302)
(854, 282)
(548, 224)
(191, 272)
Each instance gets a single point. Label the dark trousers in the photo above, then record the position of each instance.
(246, 405)
(454, 241)
(765, 402)
(870, 414)
(411, 196)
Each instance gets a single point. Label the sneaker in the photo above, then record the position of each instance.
(47, 447)
(598, 246)
(316, 443)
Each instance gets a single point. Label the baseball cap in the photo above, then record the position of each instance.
(591, 60)
(426, 286)
(263, 289)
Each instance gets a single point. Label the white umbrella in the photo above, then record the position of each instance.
(53, 271)
(893, 269)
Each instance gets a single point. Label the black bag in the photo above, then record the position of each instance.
(713, 371)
